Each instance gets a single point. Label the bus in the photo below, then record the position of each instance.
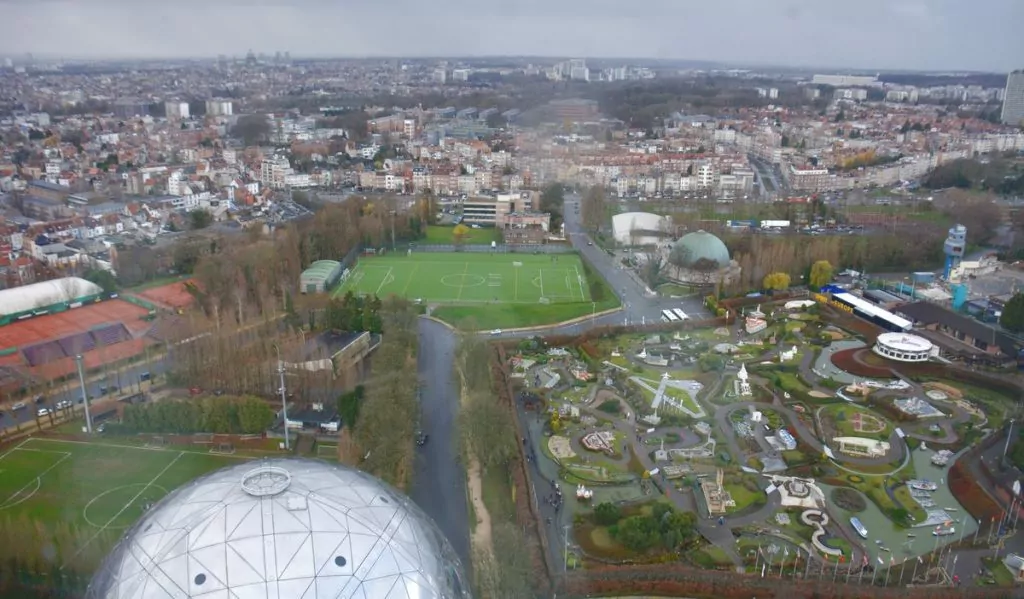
(682, 315)
(669, 316)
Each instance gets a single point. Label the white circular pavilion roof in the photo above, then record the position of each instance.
(904, 342)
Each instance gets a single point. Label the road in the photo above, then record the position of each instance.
(439, 480)
(637, 306)
(127, 378)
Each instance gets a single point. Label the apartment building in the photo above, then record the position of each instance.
(1013, 99)
(176, 110)
(219, 107)
(808, 179)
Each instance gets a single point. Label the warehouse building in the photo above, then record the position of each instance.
(320, 276)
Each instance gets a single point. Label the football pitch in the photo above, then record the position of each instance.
(471, 278)
(99, 489)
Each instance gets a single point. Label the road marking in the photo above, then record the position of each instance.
(126, 506)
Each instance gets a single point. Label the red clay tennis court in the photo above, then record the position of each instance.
(52, 326)
(174, 295)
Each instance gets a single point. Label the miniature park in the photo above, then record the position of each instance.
(789, 442)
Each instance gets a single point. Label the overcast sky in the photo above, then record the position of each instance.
(869, 34)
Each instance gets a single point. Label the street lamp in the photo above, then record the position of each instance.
(85, 395)
(284, 399)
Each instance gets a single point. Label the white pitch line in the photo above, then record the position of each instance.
(143, 448)
(127, 505)
(37, 479)
(40, 450)
(383, 282)
(15, 448)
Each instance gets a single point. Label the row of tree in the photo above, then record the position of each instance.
(353, 313)
(51, 558)
(387, 419)
(488, 438)
(218, 415)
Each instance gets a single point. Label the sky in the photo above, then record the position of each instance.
(942, 35)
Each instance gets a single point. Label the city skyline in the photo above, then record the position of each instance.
(904, 35)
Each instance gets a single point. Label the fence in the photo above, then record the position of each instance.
(671, 580)
(497, 249)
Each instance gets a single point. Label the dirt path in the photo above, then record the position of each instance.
(480, 538)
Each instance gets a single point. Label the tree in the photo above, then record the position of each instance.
(821, 274)
(552, 201)
(101, 277)
(1013, 314)
(775, 281)
(705, 268)
(976, 211)
(607, 514)
(652, 271)
(638, 533)
(348, 406)
(459, 233)
(200, 219)
(594, 208)
(252, 128)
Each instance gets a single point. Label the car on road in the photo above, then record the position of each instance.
(496, 332)
(422, 438)
(42, 412)
(18, 406)
(590, 243)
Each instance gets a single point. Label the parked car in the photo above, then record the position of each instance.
(42, 412)
(64, 404)
(18, 406)
(422, 438)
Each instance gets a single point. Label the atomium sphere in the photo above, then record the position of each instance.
(282, 529)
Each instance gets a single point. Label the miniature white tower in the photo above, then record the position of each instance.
(744, 383)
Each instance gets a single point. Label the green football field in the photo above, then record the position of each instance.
(471, 278)
(99, 489)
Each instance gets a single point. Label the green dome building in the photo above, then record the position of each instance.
(702, 245)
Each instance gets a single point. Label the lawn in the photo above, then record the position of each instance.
(442, 235)
(844, 418)
(472, 278)
(496, 290)
(100, 489)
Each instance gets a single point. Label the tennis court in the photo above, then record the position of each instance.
(471, 278)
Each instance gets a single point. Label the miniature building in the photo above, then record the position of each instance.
(903, 347)
(862, 447)
(717, 498)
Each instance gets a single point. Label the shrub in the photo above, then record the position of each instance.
(849, 500)
(610, 406)
(855, 479)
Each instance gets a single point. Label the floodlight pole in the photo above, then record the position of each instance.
(284, 399)
(85, 395)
